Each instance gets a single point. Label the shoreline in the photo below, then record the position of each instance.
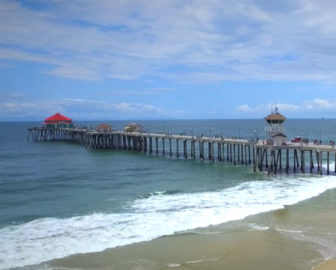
(289, 238)
(244, 199)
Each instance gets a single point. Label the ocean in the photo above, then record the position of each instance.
(66, 207)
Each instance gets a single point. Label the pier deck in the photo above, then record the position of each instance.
(288, 158)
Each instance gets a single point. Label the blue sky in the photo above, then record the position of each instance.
(167, 59)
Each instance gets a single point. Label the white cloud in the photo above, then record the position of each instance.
(305, 108)
(287, 107)
(319, 104)
(126, 107)
(193, 40)
(153, 91)
(244, 108)
(80, 108)
(266, 108)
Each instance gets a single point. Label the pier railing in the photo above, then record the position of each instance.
(288, 158)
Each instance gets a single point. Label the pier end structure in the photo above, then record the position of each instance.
(58, 121)
(275, 129)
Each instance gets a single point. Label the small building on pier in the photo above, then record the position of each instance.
(134, 127)
(58, 121)
(275, 130)
(104, 128)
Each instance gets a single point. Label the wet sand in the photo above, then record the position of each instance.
(302, 236)
(329, 265)
(257, 250)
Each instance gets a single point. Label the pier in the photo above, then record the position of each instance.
(286, 158)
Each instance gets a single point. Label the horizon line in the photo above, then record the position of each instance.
(167, 119)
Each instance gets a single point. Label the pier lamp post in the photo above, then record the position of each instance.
(239, 132)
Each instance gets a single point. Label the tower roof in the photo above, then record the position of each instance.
(275, 116)
(57, 117)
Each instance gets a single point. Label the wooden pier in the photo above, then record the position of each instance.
(288, 158)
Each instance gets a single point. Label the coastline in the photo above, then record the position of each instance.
(299, 236)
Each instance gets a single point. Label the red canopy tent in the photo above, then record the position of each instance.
(57, 118)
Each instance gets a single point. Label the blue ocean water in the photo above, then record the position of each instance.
(58, 199)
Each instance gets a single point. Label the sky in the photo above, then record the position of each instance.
(167, 59)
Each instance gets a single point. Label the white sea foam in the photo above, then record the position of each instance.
(173, 265)
(256, 227)
(201, 261)
(331, 165)
(160, 214)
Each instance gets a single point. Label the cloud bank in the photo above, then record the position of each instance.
(18, 108)
(317, 105)
(193, 41)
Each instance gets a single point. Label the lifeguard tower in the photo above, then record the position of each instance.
(275, 130)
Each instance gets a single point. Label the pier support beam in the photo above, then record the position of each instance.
(254, 159)
(193, 148)
(266, 158)
(328, 161)
(177, 149)
(200, 146)
(320, 162)
(270, 168)
(170, 147)
(296, 160)
(157, 145)
(311, 160)
(303, 161)
(223, 151)
(245, 154)
(143, 144)
(249, 153)
(185, 148)
(150, 145)
(211, 151)
(230, 152)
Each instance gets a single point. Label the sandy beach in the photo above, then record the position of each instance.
(301, 236)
